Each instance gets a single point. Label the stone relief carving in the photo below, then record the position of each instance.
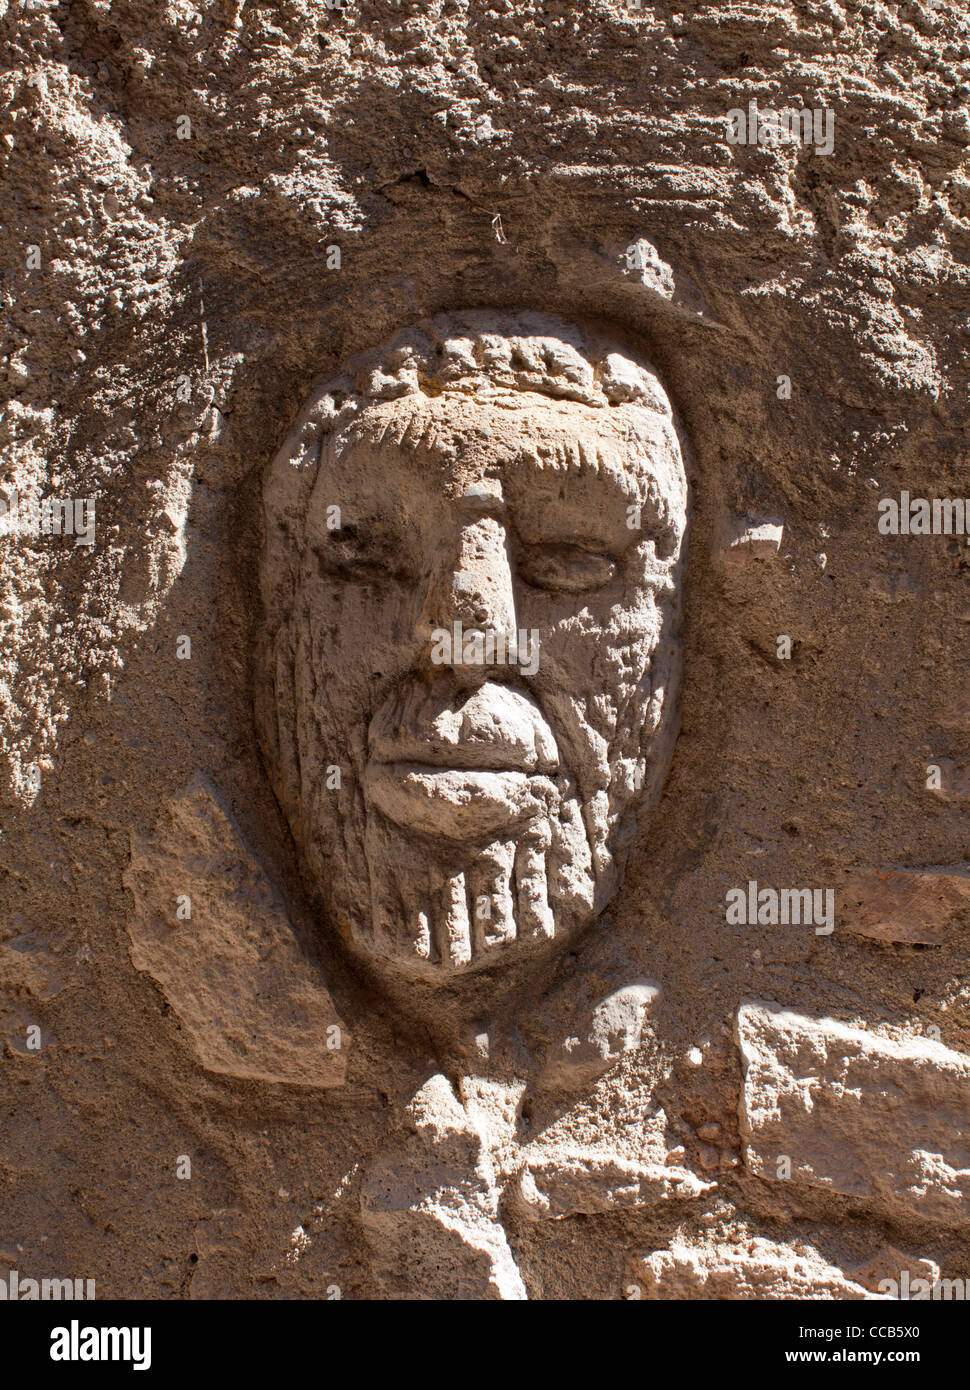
(471, 573)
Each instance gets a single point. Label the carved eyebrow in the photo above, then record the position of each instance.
(573, 489)
(622, 464)
(410, 429)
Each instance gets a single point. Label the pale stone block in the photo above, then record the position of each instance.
(570, 1181)
(756, 1269)
(856, 1113)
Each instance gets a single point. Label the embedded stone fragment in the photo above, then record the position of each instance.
(614, 1028)
(20, 1030)
(430, 1208)
(910, 906)
(840, 1108)
(891, 1272)
(758, 1268)
(745, 539)
(641, 268)
(214, 933)
(893, 588)
(643, 261)
(28, 960)
(955, 715)
(572, 1181)
(223, 1256)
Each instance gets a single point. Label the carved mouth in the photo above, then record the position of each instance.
(494, 729)
(456, 803)
(476, 758)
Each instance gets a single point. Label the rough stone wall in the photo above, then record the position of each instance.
(207, 207)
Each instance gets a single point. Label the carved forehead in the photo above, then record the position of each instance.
(484, 391)
(524, 366)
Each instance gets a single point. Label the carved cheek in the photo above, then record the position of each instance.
(359, 639)
(593, 663)
(589, 640)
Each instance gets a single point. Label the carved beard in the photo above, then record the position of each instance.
(435, 912)
(469, 828)
(463, 836)
(467, 861)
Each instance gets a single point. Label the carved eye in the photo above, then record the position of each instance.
(562, 566)
(364, 555)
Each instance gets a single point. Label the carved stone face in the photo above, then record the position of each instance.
(471, 577)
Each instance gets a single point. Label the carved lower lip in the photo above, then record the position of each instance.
(454, 802)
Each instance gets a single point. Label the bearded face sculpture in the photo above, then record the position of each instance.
(469, 658)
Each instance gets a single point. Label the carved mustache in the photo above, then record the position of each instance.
(494, 727)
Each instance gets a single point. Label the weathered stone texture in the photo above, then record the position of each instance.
(211, 211)
(214, 934)
(856, 1113)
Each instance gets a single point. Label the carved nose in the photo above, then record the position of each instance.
(475, 588)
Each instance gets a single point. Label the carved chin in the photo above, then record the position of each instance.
(469, 868)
